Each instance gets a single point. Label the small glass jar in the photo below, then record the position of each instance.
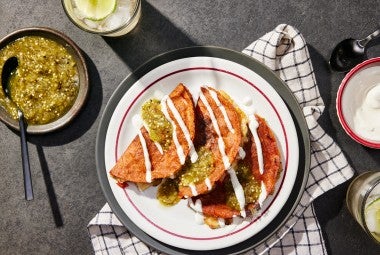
(363, 195)
(118, 23)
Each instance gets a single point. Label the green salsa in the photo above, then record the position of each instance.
(159, 128)
(198, 171)
(45, 84)
(167, 192)
(251, 186)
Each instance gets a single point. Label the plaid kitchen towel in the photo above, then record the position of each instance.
(285, 52)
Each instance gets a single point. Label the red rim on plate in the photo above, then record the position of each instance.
(339, 106)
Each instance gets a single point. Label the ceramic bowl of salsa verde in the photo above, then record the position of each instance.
(50, 84)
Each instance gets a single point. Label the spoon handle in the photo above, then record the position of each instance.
(25, 159)
(366, 40)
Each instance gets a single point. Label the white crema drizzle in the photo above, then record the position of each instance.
(193, 154)
(238, 189)
(208, 183)
(197, 207)
(221, 144)
(158, 145)
(180, 153)
(137, 122)
(185, 130)
(263, 194)
(242, 153)
(194, 191)
(222, 109)
(221, 222)
(253, 125)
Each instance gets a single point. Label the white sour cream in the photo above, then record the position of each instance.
(222, 109)
(138, 123)
(367, 116)
(263, 194)
(238, 190)
(197, 207)
(194, 191)
(221, 144)
(208, 183)
(185, 130)
(253, 125)
(180, 153)
(242, 153)
(193, 154)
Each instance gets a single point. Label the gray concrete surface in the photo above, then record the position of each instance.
(66, 188)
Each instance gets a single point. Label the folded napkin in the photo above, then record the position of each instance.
(284, 51)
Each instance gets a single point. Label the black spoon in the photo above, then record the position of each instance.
(350, 52)
(9, 68)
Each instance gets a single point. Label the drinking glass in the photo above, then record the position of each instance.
(120, 22)
(363, 202)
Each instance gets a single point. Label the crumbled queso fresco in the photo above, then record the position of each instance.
(45, 84)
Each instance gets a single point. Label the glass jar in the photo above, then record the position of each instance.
(363, 202)
(120, 22)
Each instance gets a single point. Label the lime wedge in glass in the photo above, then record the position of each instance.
(96, 9)
(372, 216)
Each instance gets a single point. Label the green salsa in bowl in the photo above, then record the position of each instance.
(50, 84)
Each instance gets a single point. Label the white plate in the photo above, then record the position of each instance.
(173, 230)
(176, 225)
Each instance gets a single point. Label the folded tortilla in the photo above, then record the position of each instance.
(132, 165)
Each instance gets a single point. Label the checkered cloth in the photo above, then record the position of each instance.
(285, 52)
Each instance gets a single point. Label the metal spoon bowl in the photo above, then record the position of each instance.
(350, 52)
(9, 69)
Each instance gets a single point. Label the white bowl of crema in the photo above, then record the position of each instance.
(358, 103)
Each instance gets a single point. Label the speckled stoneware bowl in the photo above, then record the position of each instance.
(350, 98)
(72, 49)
